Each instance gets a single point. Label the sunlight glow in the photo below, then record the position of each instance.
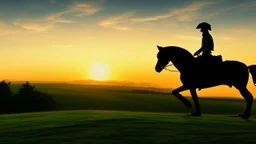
(99, 71)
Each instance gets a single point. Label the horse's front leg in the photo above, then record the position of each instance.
(196, 102)
(185, 101)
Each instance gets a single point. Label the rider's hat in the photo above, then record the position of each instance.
(204, 25)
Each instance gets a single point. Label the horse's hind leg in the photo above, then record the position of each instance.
(185, 101)
(249, 100)
(197, 105)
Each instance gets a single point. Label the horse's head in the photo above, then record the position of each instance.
(163, 59)
(180, 57)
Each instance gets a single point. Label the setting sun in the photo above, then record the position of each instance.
(99, 71)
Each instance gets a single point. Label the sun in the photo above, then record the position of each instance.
(99, 71)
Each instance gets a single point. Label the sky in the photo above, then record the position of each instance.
(58, 40)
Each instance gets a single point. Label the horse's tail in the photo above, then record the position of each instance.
(252, 69)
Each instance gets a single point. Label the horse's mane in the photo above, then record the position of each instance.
(179, 52)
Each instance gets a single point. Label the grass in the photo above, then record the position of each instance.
(90, 97)
(115, 127)
(120, 115)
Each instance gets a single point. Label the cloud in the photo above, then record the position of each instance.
(117, 22)
(187, 13)
(76, 9)
(186, 17)
(49, 22)
(37, 26)
(181, 13)
(245, 5)
(83, 9)
(56, 18)
(123, 28)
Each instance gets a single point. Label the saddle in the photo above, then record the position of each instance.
(209, 65)
(209, 59)
(209, 68)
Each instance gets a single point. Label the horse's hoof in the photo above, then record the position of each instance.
(246, 116)
(195, 114)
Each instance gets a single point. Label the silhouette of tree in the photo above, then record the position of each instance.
(26, 89)
(29, 99)
(5, 95)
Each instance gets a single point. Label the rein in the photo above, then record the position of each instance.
(169, 69)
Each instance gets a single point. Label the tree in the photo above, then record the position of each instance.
(26, 89)
(5, 96)
(29, 99)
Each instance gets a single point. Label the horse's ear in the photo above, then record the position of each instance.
(159, 47)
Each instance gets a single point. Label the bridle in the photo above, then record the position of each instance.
(169, 69)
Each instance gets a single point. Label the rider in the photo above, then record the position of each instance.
(206, 48)
(207, 41)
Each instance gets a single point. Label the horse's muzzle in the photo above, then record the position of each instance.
(159, 69)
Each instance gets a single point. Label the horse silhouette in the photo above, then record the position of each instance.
(197, 73)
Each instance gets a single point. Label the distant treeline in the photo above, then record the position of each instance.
(28, 99)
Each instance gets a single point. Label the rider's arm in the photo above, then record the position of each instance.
(198, 52)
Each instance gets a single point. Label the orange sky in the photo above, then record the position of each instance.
(60, 43)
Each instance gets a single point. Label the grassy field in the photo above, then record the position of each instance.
(111, 114)
(116, 127)
(91, 97)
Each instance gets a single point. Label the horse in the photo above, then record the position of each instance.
(198, 74)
